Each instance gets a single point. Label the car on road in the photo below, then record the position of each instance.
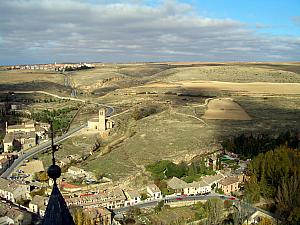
(232, 198)
(179, 198)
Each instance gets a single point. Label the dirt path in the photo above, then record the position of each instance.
(194, 117)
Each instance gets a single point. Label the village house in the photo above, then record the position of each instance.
(64, 162)
(6, 159)
(24, 127)
(12, 191)
(99, 215)
(109, 199)
(153, 191)
(133, 197)
(38, 205)
(23, 136)
(177, 185)
(213, 180)
(75, 171)
(229, 184)
(197, 188)
(69, 159)
(13, 215)
(4, 164)
(257, 217)
(19, 140)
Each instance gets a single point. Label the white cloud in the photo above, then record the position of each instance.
(69, 30)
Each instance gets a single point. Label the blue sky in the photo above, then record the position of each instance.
(269, 16)
(276, 15)
(42, 31)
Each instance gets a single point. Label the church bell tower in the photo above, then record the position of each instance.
(101, 122)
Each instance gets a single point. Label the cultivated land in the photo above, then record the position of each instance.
(225, 109)
(266, 96)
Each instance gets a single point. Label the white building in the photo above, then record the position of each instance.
(154, 191)
(13, 191)
(38, 205)
(197, 188)
(213, 180)
(177, 185)
(132, 198)
(75, 171)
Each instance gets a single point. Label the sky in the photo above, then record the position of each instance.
(47, 31)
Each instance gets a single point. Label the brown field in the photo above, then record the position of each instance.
(253, 88)
(225, 109)
(22, 76)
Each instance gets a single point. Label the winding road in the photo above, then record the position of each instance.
(23, 155)
(109, 109)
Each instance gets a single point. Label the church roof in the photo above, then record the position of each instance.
(57, 212)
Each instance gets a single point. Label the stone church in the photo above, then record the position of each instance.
(101, 123)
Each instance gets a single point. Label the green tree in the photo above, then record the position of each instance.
(41, 176)
(252, 190)
(159, 206)
(144, 196)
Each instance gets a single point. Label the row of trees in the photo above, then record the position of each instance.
(248, 146)
(276, 175)
(60, 117)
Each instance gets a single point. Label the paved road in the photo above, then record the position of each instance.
(171, 199)
(168, 199)
(37, 149)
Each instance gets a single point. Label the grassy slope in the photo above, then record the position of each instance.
(235, 73)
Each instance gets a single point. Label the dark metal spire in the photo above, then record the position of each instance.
(57, 212)
(54, 171)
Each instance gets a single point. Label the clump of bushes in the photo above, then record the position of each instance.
(140, 113)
